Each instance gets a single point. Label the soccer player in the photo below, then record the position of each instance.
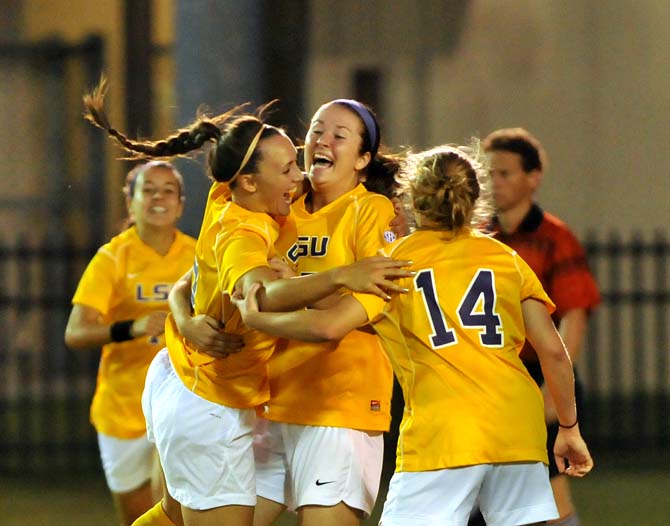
(473, 425)
(518, 163)
(331, 397)
(121, 305)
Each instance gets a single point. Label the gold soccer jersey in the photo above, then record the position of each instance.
(454, 341)
(345, 383)
(127, 279)
(232, 241)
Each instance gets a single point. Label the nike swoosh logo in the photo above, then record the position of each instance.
(319, 483)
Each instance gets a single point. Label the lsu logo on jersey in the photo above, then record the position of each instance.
(157, 292)
(308, 246)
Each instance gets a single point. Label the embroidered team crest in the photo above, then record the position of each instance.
(375, 405)
(389, 236)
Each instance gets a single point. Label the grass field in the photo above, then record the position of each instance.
(624, 490)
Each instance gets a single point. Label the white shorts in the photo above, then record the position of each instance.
(313, 465)
(127, 463)
(509, 495)
(205, 448)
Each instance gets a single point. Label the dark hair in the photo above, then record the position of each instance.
(383, 166)
(381, 174)
(521, 142)
(230, 134)
(225, 160)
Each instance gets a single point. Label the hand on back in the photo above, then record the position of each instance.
(207, 335)
(376, 275)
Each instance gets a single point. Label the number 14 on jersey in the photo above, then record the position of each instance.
(476, 309)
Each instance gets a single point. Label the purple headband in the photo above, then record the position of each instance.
(367, 119)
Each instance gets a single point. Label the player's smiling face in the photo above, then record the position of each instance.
(156, 199)
(278, 174)
(332, 149)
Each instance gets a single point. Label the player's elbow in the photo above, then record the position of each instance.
(76, 336)
(554, 354)
(72, 339)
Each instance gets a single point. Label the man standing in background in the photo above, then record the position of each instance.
(517, 162)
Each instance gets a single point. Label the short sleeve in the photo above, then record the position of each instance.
(571, 284)
(531, 288)
(374, 305)
(373, 230)
(238, 254)
(96, 286)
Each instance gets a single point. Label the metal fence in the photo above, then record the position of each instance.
(45, 389)
(625, 364)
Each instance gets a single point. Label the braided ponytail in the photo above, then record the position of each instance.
(181, 142)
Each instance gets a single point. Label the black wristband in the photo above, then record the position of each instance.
(119, 331)
(570, 426)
